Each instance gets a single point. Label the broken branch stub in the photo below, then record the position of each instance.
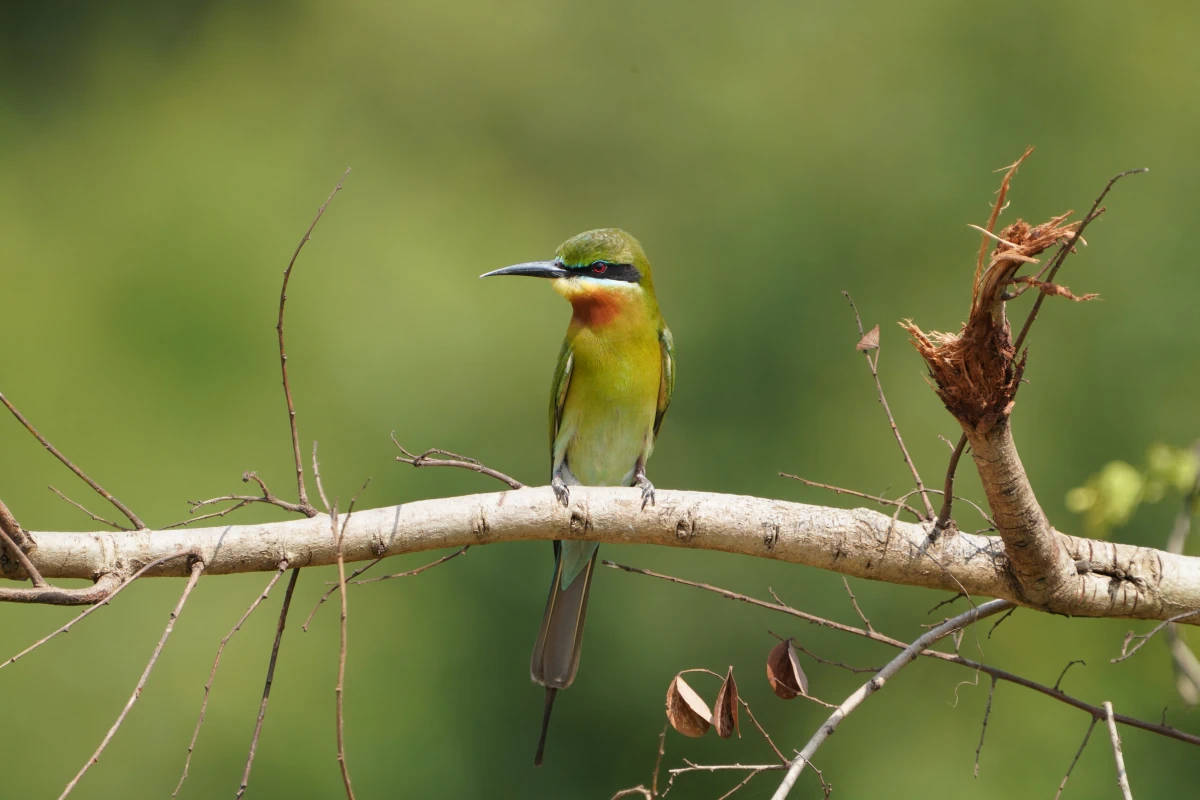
(977, 370)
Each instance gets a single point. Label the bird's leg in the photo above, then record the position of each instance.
(642, 482)
(560, 488)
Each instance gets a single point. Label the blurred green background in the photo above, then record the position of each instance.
(159, 164)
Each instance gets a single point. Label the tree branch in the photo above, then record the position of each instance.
(906, 657)
(1120, 580)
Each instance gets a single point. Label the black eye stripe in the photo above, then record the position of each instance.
(607, 271)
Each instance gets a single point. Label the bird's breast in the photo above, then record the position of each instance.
(608, 416)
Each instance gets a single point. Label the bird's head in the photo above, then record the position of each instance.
(595, 268)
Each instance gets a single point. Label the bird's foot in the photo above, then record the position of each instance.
(560, 490)
(643, 483)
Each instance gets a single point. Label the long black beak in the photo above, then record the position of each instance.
(533, 269)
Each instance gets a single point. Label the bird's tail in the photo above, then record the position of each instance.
(556, 652)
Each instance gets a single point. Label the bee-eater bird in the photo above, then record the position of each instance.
(611, 389)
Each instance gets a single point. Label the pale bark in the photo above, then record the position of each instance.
(1119, 580)
(1037, 558)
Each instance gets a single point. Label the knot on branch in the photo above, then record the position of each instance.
(977, 370)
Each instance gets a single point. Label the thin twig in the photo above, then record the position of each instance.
(213, 674)
(819, 659)
(339, 689)
(874, 365)
(1115, 738)
(662, 748)
(455, 460)
(1075, 760)
(996, 624)
(754, 768)
(9, 524)
(854, 602)
(30, 570)
(133, 518)
(301, 492)
(943, 518)
(231, 509)
(1063, 674)
(740, 784)
(416, 571)
(983, 731)
(1065, 250)
(893, 667)
(1127, 651)
(333, 585)
(81, 507)
(262, 708)
(946, 602)
(103, 601)
(244, 499)
(642, 790)
(852, 492)
(197, 568)
(1004, 675)
(782, 758)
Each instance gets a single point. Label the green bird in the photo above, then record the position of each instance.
(611, 389)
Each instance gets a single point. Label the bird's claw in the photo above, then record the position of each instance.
(560, 490)
(647, 488)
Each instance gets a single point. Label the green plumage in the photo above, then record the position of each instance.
(612, 386)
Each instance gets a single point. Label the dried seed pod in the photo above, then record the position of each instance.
(725, 709)
(686, 711)
(784, 673)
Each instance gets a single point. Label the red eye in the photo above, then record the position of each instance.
(599, 267)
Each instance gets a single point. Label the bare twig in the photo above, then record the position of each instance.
(1115, 738)
(854, 602)
(987, 712)
(9, 524)
(906, 657)
(416, 571)
(761, 729)
(753, 768)
(1075, 760)
(455, 460)
(333, 585)
(839, 490)
(231, 509)
(244, 499)
(81, 507)
(874, 364)
(996, 624)
(137, 523)
(213, 674)
(108, 587)
(197, 568)
(262, 708)
(662, 748)
(301, 492)
(642, 790)
(740, 784)
(946, 602)
(943, 518)
(1063, 674)
(1127, 651)
(1004, 675)
(9, 542)
(1065, 250)
(339, 689)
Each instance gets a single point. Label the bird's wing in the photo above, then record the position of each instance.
(666, 384)
(558, 392)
